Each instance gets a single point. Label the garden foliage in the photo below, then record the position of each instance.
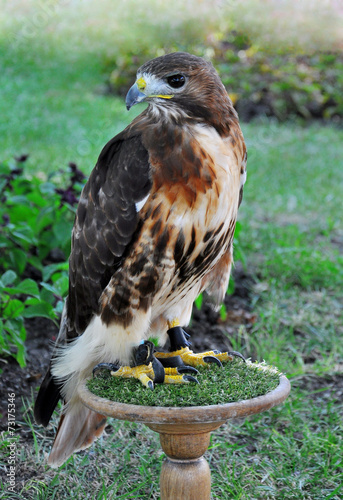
(271, 82)
(36, 220)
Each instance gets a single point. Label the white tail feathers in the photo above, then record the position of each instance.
(77, 430)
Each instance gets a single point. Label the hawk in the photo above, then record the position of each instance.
(153, 229)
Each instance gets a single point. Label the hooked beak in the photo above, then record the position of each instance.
(134, 96)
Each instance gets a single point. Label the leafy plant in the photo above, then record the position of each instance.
(37, 218)
(20, 300)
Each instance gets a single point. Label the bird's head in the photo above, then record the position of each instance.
(181, 80)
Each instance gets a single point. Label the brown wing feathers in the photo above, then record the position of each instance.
(105, 224)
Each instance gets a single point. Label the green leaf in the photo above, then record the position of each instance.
(43, 310)
(32, 301)
(27, 287)
(19, 260)
(26, 235)
(47, 295)
(48, 271)
(21, 355)
(223, 312)
(62, 232)
(59, 307)
(8, 278)
(231, 287)
(13, 309)
(35, 262)
(37, 198)
(61, 285)
(49, 287)
(16, 336)
(198, 301)
(48, 188)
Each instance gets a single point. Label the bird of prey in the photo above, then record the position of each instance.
(153, 229)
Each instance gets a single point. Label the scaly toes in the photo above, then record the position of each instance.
(176, 376)
(144, 373)
(169, 361)
(191, 359)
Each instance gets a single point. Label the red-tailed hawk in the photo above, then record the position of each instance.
(153, 229)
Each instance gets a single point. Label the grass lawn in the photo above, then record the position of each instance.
(292, 237)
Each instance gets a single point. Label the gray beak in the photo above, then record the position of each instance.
(134, 96)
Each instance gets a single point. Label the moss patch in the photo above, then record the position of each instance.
(236, 381)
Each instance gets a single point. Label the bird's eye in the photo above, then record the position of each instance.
(176, 81)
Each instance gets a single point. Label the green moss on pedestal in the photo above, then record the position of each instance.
(236, 381)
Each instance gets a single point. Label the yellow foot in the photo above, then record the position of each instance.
(144, 373)
(153, 372)
(180, 351)
(197, 359)
(175, 375)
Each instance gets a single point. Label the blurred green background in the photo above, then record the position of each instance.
(60, 60)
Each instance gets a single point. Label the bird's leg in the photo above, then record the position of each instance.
(179, 347)
(147, 369)
(142, 369)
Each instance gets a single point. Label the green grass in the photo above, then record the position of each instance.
(292, 238)
(236, 381)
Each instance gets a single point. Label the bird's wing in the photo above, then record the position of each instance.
(105, 224)
(106, 221)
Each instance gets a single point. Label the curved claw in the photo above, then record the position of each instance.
(187, 369)
(212, 359)
(189, 378)
(237, 354)
(150, 385)
(105, 366)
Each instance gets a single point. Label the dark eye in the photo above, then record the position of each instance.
(176, 81)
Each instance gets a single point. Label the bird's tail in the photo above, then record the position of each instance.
(77, 429)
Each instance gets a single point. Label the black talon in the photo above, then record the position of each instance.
(105, 366)
(159, 372)
(187, 369)
(189, 378)
(187, 338)
(151, 385)
(212, 359)
(237, 354)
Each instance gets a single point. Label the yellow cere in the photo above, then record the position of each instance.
(141, 84)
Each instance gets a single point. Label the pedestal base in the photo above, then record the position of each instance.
(185, 473)
(185, 480)
(185, 435)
